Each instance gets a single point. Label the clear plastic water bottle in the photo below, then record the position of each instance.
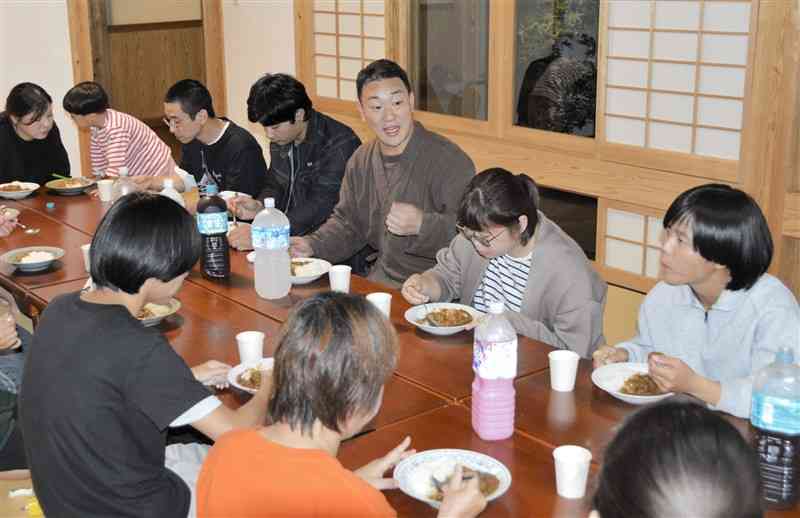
(123, 185)
(495, 365)
(775, 418)
(270, 233)
(171, 192)
(212, 222)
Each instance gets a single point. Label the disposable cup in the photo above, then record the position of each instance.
(572, 470)
(382, 301)
(105, 189)
(86, 260)
(251, 346)
(563, 368)
(339, 276)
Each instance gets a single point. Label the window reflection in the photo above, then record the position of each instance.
(556, 65)
(449, 56)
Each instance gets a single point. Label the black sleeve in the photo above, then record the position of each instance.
(327, 183)
(247, 171)
(271, 188)
(161, 385)
(190, 161)
(59, 156)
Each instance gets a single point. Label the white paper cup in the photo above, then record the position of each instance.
(339, 276)
(382, 301)
(572, 470)
(86, 260)
(105, 189)
(563, 369)
(251, 346)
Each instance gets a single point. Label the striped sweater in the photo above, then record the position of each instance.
(125, 141)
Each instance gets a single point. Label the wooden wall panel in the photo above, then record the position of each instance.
(82, 69)
(147, 60)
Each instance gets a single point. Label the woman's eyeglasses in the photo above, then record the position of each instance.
(475, 238)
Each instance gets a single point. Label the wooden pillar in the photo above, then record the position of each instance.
(214, 48)
(80, 37)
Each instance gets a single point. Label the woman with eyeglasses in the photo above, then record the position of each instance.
(30, 143)
(508, 250)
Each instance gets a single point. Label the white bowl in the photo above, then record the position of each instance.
(413, 474)
(321, 267)
(229, 195)
(174, 305)
(416, 315)
(13, 257)
(235, 372)
(27, 189)
(611, 377)
(58, 186)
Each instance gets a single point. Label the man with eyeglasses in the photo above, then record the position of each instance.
(215, 150)
(308, 155)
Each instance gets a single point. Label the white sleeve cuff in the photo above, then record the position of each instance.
(200, 410)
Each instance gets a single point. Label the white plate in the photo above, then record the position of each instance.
(27, 189)
(321, 267)
(59, 187)
(416, 313)
(174, 306)
(233, 374)
(611, 377)
(228, 195)
(413, 474)
(13, 257)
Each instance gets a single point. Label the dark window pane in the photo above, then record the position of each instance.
(574, 213)
(556, 65)
(449, 56)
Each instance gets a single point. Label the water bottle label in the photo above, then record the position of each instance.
(275, 238)
(493, 360)
(776, 414)
(213, 223)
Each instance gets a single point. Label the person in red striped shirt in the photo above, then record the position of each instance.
(118, 140)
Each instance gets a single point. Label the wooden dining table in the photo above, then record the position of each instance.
(427, 397)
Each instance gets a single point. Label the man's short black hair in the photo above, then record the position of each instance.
(378, 70)
(192, 95)
(275, 98)
(143, 236)
(86, 98)
(728, 228)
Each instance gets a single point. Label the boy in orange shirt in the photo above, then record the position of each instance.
(334, 356)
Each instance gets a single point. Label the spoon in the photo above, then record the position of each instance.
(28, 230)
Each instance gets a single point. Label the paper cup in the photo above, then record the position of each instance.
(251, 346)
(572, 470)
(382, 301)
(86, 259)
(105, 189)
(563, 368)
(339, 276)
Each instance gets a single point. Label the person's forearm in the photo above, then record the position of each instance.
(705, 389)
(253, 413)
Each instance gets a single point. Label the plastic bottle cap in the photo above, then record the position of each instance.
(211, 189)
(50, 205)
(496, 307)
(785, 355)
(269, 203)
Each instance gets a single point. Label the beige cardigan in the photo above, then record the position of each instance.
(564, 298)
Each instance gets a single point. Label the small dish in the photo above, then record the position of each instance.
(9, 213)
(159, 312)
(16, 256)
(229, 195)
(313, 270)
(416, 473)
(416, 316)
(611, 377)
(233, 374)
(20, 189)
(69, 187)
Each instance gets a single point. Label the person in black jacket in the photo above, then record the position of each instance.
(30, 144)
(308, 150)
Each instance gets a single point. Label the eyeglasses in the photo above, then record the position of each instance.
(475, 238)
(173, 122)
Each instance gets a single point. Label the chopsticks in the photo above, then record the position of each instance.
(61, 176)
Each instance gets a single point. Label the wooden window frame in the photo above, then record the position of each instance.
(499, 125)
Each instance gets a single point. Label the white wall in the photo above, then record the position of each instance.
(34, 46)
(259, 38)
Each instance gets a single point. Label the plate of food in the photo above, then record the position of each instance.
(423, 475)
(152, 314)
(303, 269)
(247, 377)
(17, 190)
(442, 318)
(33, 258)
(69, 186)
(629, 382)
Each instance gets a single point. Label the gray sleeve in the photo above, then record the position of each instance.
(448, 270)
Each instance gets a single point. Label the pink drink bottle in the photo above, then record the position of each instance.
(495, 365)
